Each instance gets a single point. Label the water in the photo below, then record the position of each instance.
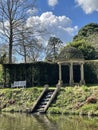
(10, 121)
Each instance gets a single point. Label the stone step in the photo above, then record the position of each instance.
(44, 101)
(48, 95)
(41, 106)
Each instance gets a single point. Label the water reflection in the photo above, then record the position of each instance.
(45, 122)
(10, 121)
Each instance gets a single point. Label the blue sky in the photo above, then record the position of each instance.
(71, 9)
(63, 18)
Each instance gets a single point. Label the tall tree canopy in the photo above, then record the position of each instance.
(90, 35)
(86, 31)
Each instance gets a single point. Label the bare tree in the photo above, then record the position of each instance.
(27, 45)
(35, 51)
(13, 13)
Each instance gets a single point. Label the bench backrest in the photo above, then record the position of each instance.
(19, 84)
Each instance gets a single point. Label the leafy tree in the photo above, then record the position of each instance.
(93, 39)
(87, 37)
(12, 14)
(87, 49)
(53, 48)
(86, 31)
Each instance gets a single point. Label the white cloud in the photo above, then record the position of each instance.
(89, 6)
(52, 2)
(32, 11)
(58, 26)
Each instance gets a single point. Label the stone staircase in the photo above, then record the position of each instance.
(44, 100)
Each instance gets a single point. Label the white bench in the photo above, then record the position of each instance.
(18, 84)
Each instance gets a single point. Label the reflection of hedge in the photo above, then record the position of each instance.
(40, 73)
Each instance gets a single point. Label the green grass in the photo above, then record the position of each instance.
(19, 100)
(69, 97)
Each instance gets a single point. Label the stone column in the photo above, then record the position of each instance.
(60, 75)
(82, 81)
(71, 82)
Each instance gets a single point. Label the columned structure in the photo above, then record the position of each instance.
(71, 76)
(71, 81)
(60, 75)
(82, 81)
(71, 56)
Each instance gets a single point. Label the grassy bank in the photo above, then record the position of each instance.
(70, 100)
(18, 100)
(76, 100)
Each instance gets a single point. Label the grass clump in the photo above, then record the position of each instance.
(54, 110)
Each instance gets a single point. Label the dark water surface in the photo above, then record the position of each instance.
(10, 121)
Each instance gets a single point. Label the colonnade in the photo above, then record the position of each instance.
(71, 76)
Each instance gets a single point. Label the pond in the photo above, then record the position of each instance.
(10, 121)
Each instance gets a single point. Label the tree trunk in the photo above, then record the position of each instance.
(10, 44)
(54, 57)
(25, 56)
(10, 51)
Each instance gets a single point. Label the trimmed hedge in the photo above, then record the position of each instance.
(91, 72)
(41, 73)
(1, 73)
(35, 74)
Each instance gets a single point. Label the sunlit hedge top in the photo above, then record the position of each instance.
(70, 53)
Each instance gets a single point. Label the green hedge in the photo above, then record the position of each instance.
(35, 74)
(1, 73)
(91, 72)
(41, 73)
